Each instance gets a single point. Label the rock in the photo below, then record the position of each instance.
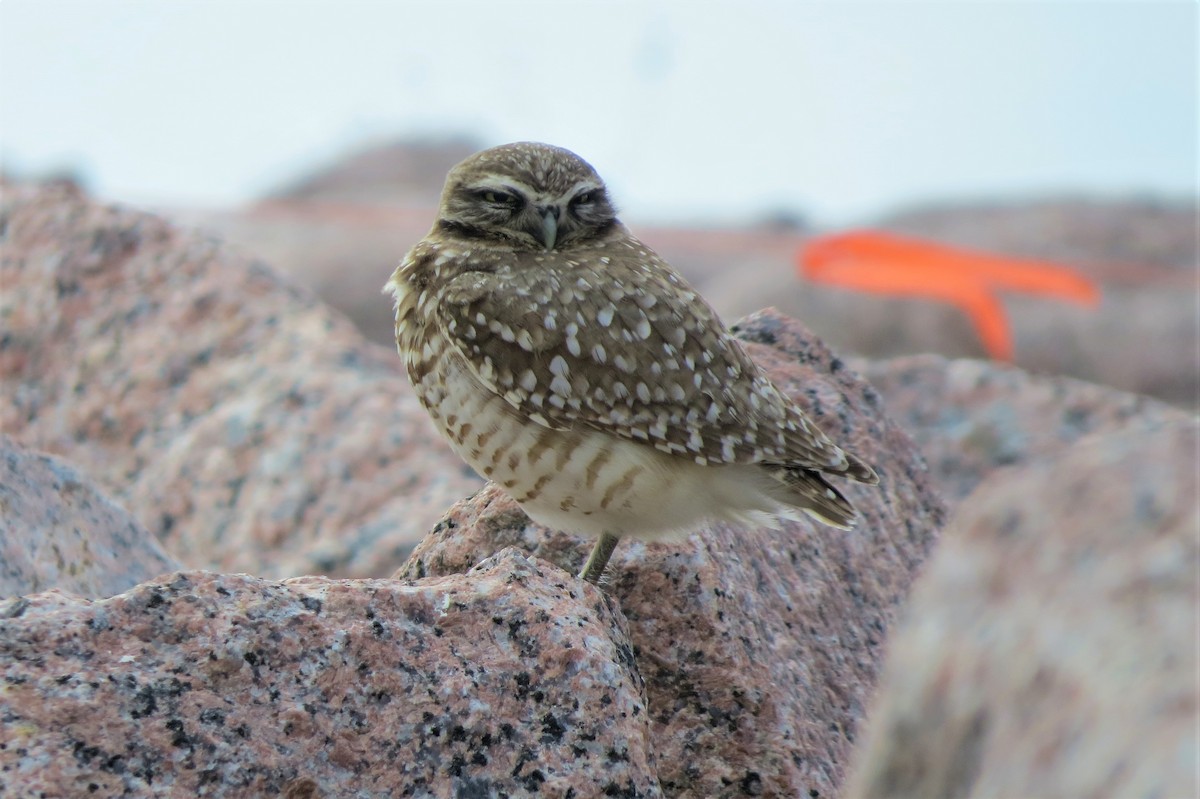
(404, 172)
(758, 647)
(1142, 253)
(1050, 646)
(512, 680)
(1119, 237)
(367, 208)
(59, 530)
(971, 417)
(1143, 256)
(246, 425)
(314, 241)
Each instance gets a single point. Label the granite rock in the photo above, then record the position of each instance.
(407, 172)
(972, 417)
(512, 680)
(758, 647)
(1050, 647)
(59, 530)
(246, 425)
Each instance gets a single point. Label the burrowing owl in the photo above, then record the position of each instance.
(563, 359)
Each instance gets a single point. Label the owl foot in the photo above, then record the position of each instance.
(593, 570)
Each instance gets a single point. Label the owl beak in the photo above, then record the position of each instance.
(549, 226)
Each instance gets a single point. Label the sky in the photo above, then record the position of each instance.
(839, 111)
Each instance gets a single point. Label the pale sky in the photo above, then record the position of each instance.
(690, 110)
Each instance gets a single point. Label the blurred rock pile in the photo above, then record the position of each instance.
(1050, 647)
(247, 426)
(169, 403)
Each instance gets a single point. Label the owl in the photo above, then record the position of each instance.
(563, 359)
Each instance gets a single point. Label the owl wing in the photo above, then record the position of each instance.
(642, 357)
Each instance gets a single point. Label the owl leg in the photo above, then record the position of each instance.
(601, 552)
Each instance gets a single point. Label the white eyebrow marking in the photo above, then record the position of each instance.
(584, 185)
(501, 183)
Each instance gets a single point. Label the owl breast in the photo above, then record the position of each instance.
(567, 479)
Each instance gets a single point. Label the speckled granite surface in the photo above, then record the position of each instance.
(59, 530)
(510, 681)
(245, 424)
(759, 648)
(972, 417)
(1050, 647)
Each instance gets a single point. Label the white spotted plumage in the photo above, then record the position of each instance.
(564, 359)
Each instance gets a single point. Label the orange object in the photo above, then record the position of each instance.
(898, 266)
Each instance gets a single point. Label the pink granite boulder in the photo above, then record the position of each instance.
(59, 530)
(513, 680)
(1144, 254)
(245, 424)
(1050, 647)
(972, 417)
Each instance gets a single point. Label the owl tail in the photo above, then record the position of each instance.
(808, 491)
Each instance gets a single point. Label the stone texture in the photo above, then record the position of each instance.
(246, 425)
(251, 429)
(971, 417)
(59, 530)
(758, 647)
(1050, 648)
(513, 680)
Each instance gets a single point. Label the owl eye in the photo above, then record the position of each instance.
(584, 198)
(496, 197)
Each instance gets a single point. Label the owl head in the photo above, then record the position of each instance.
(526, 196)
